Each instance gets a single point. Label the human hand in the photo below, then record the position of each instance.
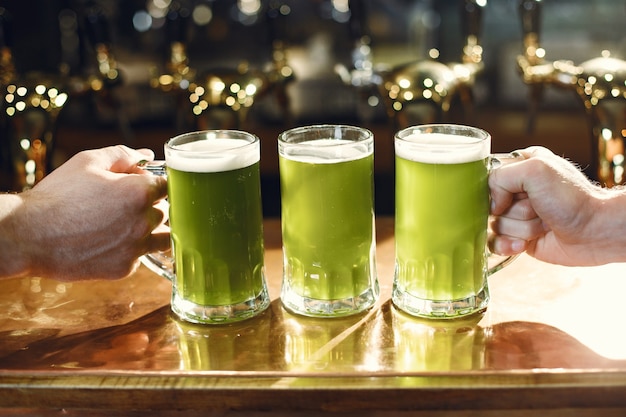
(93, 217)
(545, 206)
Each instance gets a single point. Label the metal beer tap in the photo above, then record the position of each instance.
(433, 83)
(30, 106)
(107, 83)
(219, 97)
(362, 76)
(32, 102)
(178, 75)
(599, 83)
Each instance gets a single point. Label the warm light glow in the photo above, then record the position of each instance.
(342, 6)
(373, 101)
(30, 166)
(60, 99)
(251, 89)
(404, 83)
(202, 15)
(540, 53)
(249, 7)
(217, 85)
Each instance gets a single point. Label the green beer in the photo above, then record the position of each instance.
(328, 227)
(217, 229)
(442, 207)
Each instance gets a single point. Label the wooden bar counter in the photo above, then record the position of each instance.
(553, 342)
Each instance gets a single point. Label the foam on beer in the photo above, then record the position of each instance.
(454, 149)
(326, 151)
(213, 155)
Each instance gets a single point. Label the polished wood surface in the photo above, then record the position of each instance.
(552, 338)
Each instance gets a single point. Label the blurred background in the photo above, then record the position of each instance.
(78, 74)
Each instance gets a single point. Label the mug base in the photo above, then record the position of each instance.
(313, 307)
(440, 309)
(220, 314)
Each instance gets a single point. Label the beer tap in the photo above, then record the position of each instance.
(279, 73)
(435, 84)
(221, 97)
(362, 76)
(108, 80)
(7, 73)
(222, 90)
(32, 102)
(7, 67)
(178, 75)
(599, 83)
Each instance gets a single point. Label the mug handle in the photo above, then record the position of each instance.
(161, 263)
(496, 262)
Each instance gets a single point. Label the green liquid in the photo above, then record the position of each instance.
(441, 228)
(217, 235)
(327, 227)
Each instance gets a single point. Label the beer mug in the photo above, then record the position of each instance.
(327, 214)
(214, 192)
(441, 222)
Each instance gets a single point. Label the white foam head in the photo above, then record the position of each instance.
(212, 155)
(442, 148)
(326, 151)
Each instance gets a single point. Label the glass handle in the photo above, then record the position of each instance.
(161, 263)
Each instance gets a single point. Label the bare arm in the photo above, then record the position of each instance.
(545, 206)
(90, 218)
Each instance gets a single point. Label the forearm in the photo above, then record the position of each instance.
(607, 231)
(14, 259)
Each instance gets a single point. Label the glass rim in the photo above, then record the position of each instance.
(479, 135)
(300, 131)
(175, 142)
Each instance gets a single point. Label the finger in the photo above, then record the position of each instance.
(157, 191)
(121, 158)
(520, 229)
(521, 209)
(508, 183)
(507, 245)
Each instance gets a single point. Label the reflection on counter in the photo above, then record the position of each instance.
(382, 342)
